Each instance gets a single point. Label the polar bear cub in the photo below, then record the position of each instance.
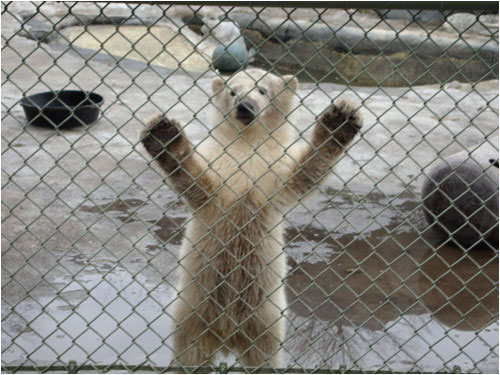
(239, 182)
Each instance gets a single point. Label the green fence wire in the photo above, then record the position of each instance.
(390, 266)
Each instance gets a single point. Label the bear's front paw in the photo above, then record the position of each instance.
(161, 134)
(341, 121)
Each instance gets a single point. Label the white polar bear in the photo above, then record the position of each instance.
(239, 183)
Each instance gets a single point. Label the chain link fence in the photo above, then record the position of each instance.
(391, 264)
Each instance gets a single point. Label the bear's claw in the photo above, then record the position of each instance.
(160, 134)
(343, 121)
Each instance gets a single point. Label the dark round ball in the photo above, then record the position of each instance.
(230, 59)
(461, 202)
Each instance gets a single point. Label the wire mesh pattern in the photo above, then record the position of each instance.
(93, 227)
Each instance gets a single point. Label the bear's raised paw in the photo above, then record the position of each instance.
(161, 134)
(342, 121)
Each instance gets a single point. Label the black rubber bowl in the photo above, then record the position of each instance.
(60, 109)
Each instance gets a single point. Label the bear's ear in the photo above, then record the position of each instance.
(217, 85)
(291, 82)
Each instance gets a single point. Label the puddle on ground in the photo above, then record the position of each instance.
(384, 305)
(121, 205)
(167, 228)
(365, 295)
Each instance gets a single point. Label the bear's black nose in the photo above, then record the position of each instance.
(245, 112)
(245, 108)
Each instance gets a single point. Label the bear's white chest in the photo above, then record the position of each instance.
(242, 168)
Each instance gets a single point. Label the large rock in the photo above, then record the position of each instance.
(470, 23)
(424, 16)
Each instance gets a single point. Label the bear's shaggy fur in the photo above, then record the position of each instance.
(239, 182)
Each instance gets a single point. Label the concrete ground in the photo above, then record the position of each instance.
(91, 230)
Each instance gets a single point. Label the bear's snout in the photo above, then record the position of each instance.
(245, 112)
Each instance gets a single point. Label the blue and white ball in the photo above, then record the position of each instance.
(231, 58)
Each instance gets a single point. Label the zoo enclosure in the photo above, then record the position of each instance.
(91, 232)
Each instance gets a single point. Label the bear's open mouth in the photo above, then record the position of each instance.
(246, 120)
(244, 113)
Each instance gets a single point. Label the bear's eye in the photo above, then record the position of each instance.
(232, 92)
(262, 91)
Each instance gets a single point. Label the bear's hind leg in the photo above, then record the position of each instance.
(194, 343)
(194, 348)
(265, 349)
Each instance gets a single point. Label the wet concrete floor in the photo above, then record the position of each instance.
(369, 298)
